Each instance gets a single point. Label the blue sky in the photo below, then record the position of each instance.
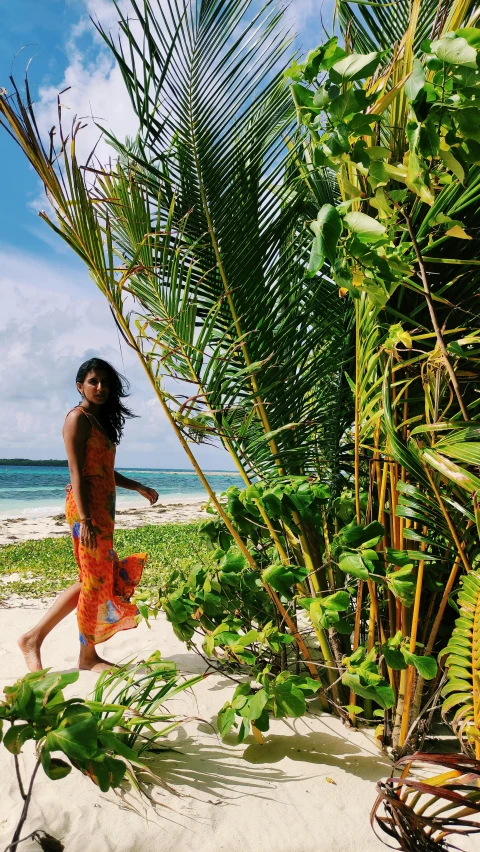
(52, 316)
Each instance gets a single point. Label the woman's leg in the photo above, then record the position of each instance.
(31, 642)
(89, 659)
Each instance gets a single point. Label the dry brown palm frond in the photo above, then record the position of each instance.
(421, 811)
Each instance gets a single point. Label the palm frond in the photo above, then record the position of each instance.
(420, 811)
(236, 186)
(463, 666)
(379, 26)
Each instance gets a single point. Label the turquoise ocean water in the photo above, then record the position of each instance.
(30, 491)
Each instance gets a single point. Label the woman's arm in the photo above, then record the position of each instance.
(75, 433)
(124, 482)
(132, 485)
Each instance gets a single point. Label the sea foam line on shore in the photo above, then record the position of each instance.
(123, 502)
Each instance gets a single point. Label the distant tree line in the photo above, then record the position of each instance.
(35, 462)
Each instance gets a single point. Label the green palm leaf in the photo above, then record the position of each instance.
(379, 25)
(462, 690)
(236, 184)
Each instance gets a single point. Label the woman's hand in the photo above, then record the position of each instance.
(149, 493)
(87, 535)
(124, 482)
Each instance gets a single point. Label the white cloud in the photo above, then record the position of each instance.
(97, 93)
(300, 10)
(101, 10)
(307, 18)
(53, 318)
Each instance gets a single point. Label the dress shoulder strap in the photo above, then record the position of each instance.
(94, 422)
(79, 408)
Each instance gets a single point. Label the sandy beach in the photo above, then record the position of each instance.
(310, 786)
(312, 774)
(14, 529)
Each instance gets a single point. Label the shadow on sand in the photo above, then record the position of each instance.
(214, 769)
(187, 664)
(320, 749)
(223, 771)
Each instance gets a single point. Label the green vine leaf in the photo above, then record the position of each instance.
(356, 66)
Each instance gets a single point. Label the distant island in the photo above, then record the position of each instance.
(34, 462)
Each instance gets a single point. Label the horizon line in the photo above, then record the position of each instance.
(122, 467)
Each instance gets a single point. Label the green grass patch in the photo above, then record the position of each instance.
(48, 566)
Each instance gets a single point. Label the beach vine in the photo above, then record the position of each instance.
(107, 737)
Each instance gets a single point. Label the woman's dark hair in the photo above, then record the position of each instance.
(113, 413)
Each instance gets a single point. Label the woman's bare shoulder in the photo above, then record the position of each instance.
(76, 422)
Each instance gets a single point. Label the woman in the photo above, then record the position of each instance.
(106, 584)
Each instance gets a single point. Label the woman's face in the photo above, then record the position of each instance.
(95, 387)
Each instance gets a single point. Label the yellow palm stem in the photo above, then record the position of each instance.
(412, 647)
(260, 406)
(356, 636)
(357, 414)
(293, 630)
(436, 626)
(328, 552)
(399, 708)
(358, 514)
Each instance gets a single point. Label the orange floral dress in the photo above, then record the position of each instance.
(108, 582)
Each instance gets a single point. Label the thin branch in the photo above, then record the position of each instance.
(19, 777)
(23, 816)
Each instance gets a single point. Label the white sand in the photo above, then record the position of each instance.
(275, 797)
(14, 529)
(308, 788)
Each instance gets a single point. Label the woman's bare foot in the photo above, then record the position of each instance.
(30, 648)
(94, 663)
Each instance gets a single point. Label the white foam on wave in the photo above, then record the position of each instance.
(31, 511)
